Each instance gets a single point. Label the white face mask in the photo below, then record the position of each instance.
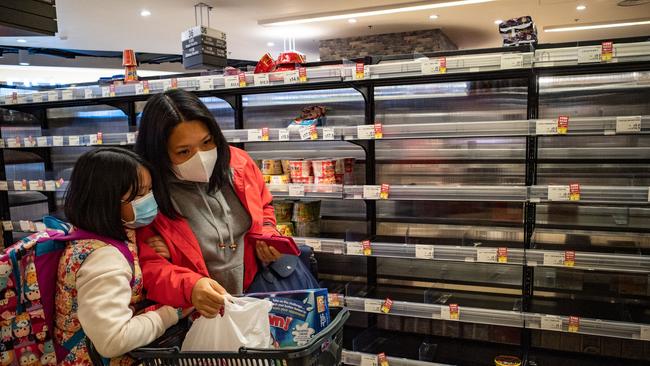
(198, 168)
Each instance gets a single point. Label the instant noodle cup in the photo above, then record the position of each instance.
(323, 168)
(285, 167)
(300, 169)
(272, 167)
(280, 179)
(306, 211)
(283, 211)
(285, 228)
(345, 165)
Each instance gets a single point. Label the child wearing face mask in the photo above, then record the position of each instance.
(100, 280)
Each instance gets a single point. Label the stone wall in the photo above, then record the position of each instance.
(385, 44)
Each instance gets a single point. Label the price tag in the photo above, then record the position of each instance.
(18, 185)
(261, 79)
(4, 186)
(73, 140)
(57, 140)
(434, 66)
(37, 97)
(546, 127)
(302, 74)
(40, 226)
(296, 190)
(145, 86)
(9, 99)
(138, 88)
(100, 138)
(354, 248)
(589, 54)
(21, 98)
(372, 306)
(24, 225)
(366, 132)
(308, 132)
(359, 71)
(50, 186)
(368, 360)
(35, 185)
(166, 84)
(574, 192)
(315, 244)
(512, 61)
(291, 77)
(569, 258)
(205, 83)
(328, 133)
(645, 333)
(367, 247)
(230, 81)
(562, 125)
(88, 93)
(550, 322)
(2, 143)
(371, 192)
(283, 134)
(379, 131)
(553, 259)
(29, 142)
(607, 51)
(333, 300)
(424, 251)
(386, 306)
(502, 255)
(111, 90)
(130, 138)
(451, 312)
(384, 191)
(13, 142)
(486, 255)
(52, 96)
(254, 135)
(574, 324)
(66, 94)
(7, 226)
(628, 124)
(558, 193)
(92, 139)
(265, 133)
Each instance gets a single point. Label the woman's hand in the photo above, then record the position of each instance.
(266, 253)
(157, 243)
(208, 297)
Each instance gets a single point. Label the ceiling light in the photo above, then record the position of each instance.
(145, 13)
(434, 16)
(21, 40)
(581, 7)
(371, 11)
(590, 26)
(352, 21)
(270, 44)
(498, 21)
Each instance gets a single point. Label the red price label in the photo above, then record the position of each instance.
(14, 97)
(59, 183)
(569, 258)
(383, 361)
(313, 132)
(111, 90)
(367, 249)
(563, 125)
(360, 73)
(302, 74)
(502, 255)
(574, 192)
(24, 184)
(174, 83)
(574, 324)
(265, 134)
(384, 191)
(379, 131)
(333, 300)
(454, 312)
(242, 82)
(100, 138)
(145, 86)
(607, 51)
(386, 306)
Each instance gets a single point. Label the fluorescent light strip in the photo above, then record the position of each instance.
(596, 26)
(367, 12)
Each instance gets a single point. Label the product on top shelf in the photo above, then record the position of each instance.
(288, 61)
(324, 168)
(283, 210)
(299, 169)
(306, 211)
(518, 31)
(130, 66)
(265, 64)
(272, 167)
(286, 228)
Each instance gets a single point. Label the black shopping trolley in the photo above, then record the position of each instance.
(323, 350)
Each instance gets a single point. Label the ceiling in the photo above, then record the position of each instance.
(117, 24)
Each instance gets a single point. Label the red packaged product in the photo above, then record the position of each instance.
(323, 168)
(299, 168)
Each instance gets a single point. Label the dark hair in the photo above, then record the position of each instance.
(99, 180)
(162, 113)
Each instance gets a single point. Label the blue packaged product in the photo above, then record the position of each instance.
(296, 316)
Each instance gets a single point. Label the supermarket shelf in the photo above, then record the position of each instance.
(34, 185)
(589, 326)
(589, 261)
(96, 139)
(569, 56)
(281, 135)
(367, 359)
(595, 126)
(446, 193)
(23, 226)
(310, 191)
(447, 129)
(593, 194)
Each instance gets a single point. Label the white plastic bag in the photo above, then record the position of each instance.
(245, 323)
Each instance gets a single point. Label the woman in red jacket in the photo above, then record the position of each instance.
(210, 196)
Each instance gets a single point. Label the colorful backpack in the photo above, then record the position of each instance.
(28, 275)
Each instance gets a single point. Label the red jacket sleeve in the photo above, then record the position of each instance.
(166, 283)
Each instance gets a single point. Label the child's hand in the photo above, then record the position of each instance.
(157, 243)
(208, 297)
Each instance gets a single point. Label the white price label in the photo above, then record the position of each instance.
(12, 143)
(486, 255)
(305, 132)
(40, 226)
(18, 186)
(512, 61)
(354, 248)
(445, 313)
(315, 244)
(57, 140)
(372, 306)
(21, 99)
(24, 225)
(66, 94)
(41, 141)
(546, 127)
(2, 143)
(291, 77)
(50, 186)
(255, 135)
(7, 225)
(558, 193)
(629, 124)
(28, 142)
(366, 132)
(371, 192)
(52, 96)
(88, 93)
(205, 83)
(368, 360)
(231, 81)
(37, 97)
(261, 80)
(92, 139)
(553, 259)
(424, 251)
(130, 138)
(139, 89)
(283, 134)
(73, 140)
(328, 133)
(34, 185)
(550, 322)
(645, 333)
(166, 84)
(433, 66)
(589, 54)
(106, 92)
(296, 190)
(4, 186)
